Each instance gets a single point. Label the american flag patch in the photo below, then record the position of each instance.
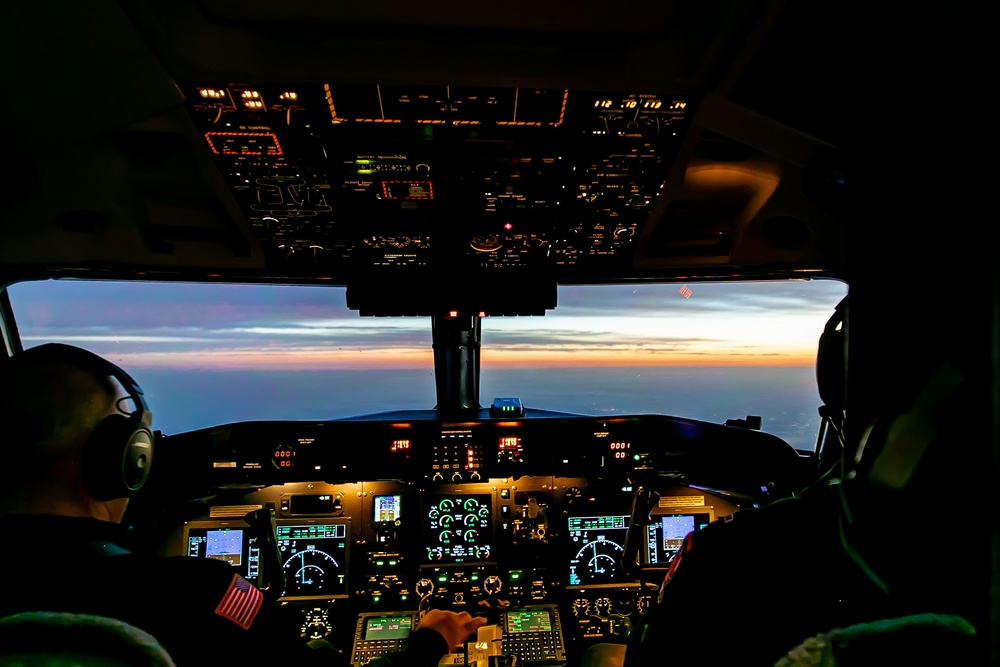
(241, 602)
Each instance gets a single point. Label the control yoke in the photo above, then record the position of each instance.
(271, 580)
(643, 503)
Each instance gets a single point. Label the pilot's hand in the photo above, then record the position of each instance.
(453, 627)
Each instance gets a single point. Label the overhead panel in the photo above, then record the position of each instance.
(345, 180)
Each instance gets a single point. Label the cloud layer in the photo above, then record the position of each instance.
(230, 327)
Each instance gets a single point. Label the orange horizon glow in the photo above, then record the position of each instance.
(423, 359)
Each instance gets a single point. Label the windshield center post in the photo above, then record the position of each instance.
(456, 341)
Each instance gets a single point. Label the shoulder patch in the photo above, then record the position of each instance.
(240, 603)
(674, 565)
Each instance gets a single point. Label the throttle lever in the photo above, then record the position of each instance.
(270, 577)
(643, 503)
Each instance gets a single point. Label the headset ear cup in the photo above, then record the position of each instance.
(117, 458)
(831, 360)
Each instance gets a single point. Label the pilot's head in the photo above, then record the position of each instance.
(50, 405)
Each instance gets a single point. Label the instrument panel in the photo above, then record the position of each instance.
(384, 518)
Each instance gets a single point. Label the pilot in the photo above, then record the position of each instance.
(71, 459)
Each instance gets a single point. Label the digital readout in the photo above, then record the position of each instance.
(388, 627)
(529, 621)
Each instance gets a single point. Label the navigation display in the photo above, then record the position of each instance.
(596, 548)
(459, 528)
(529, 621)
(314, 558)
(665, 537)
(387, 509)
(226, 543)
(388, 627)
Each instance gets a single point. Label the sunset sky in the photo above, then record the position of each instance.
(260, 327)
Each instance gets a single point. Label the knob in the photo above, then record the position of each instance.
(437, 477)
(492, 585)
(424, 587)
(475, 477)
(459, 598)
(456, 477)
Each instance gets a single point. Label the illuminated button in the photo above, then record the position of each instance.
(505, 493)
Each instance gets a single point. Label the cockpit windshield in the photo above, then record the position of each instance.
(208, 354)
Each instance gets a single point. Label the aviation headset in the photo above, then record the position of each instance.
(118, 455)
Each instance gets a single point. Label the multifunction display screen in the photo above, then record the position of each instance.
(388, 627)
(314, 558)
(228, 544)
(529, 621)
(596, 548)
(387, 509)
(665, 536)
(459, 528)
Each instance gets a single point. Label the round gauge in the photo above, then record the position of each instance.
(470, 535)
(482, 553)
(484, 512)
(603, 606)
(573, 493)
(434, 513)
(444, 537)
(581, 607)
(470, 504)
(446, 505)
(306, 572)
(447, 520)
(283, 457)
(486, 243)
(434, 554)
(424, 588)
(599, 562)
(316, 624)
(470, 520)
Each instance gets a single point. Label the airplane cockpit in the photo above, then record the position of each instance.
(458, 166)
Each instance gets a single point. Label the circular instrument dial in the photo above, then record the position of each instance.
(599, 562)
(306, 573)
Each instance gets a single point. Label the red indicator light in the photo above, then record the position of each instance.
(452, 314)
(509, 442)
(508, 226)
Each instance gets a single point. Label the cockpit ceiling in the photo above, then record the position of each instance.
(158, 175)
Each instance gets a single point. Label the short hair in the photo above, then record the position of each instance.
(49, 406)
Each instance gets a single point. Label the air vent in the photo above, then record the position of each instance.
(232, 511)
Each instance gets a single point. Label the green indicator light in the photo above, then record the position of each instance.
(392, 562)
(376, 599)
(364, 162)
(474, 577)
(403, 597)
(366, 171)
(380, 562)
(636, 457)
(515, 575)
(444, 578)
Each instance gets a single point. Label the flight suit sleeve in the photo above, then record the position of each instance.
(202, 612)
